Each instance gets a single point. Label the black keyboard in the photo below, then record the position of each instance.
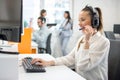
(31, 67)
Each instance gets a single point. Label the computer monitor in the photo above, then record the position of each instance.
(116, 28)
(11, 20)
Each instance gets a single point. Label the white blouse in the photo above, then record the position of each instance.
(90, 63)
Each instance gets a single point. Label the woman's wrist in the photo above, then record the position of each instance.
(51, 63)
(86, 45)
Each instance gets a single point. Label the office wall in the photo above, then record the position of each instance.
(119, 10)
(109, 9)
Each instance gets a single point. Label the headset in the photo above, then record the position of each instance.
(95, 17)
(42, 19)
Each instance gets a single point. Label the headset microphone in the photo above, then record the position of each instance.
(81, 28)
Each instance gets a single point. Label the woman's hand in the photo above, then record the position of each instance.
(38, 61)
(88, 30)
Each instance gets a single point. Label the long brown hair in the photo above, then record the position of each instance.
(41, 13)
(88, 9)
(68, 17)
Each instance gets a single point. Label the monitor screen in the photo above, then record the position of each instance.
(116, 28)
(11, 19)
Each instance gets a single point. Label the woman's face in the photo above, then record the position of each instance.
(44, 14)
(84, 20)
(65, 15)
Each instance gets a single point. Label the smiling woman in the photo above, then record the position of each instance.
(90, 55)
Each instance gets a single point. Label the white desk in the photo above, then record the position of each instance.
(8, 67)
(9, 47)
(52, 72)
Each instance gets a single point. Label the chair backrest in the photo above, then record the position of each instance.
(116, 28)
(110, 35)
(114, 60)
(48, 42)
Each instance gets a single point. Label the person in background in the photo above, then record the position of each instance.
(40, 36)
(65, 31)
(43, 13)
(90, 56)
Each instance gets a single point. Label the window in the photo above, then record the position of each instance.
(55, 9)
(31, 10)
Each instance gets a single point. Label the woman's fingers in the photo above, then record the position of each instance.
(88, 29)
(42, 63)
(88, 32)
(39, 63)
(35, 60)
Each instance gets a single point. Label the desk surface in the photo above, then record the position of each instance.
(52, 72)
(9, 47)
(8, 67)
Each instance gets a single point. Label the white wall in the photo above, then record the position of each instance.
(119, 10)
(109, 9)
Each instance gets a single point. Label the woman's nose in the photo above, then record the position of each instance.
(80, 24)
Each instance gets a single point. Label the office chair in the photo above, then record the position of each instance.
(114, 57)
(48, 42)
(109, 35)
(114, 60)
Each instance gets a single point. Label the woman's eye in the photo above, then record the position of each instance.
(82, 19)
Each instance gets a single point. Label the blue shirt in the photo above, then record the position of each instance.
(66, 29)
(40, 36)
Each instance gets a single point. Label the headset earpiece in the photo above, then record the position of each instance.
(95, 22)
(43, 20)
(95, 19)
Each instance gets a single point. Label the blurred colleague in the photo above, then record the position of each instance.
(65, 31)
(43, 13)
(90, 56)
(40, 36)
